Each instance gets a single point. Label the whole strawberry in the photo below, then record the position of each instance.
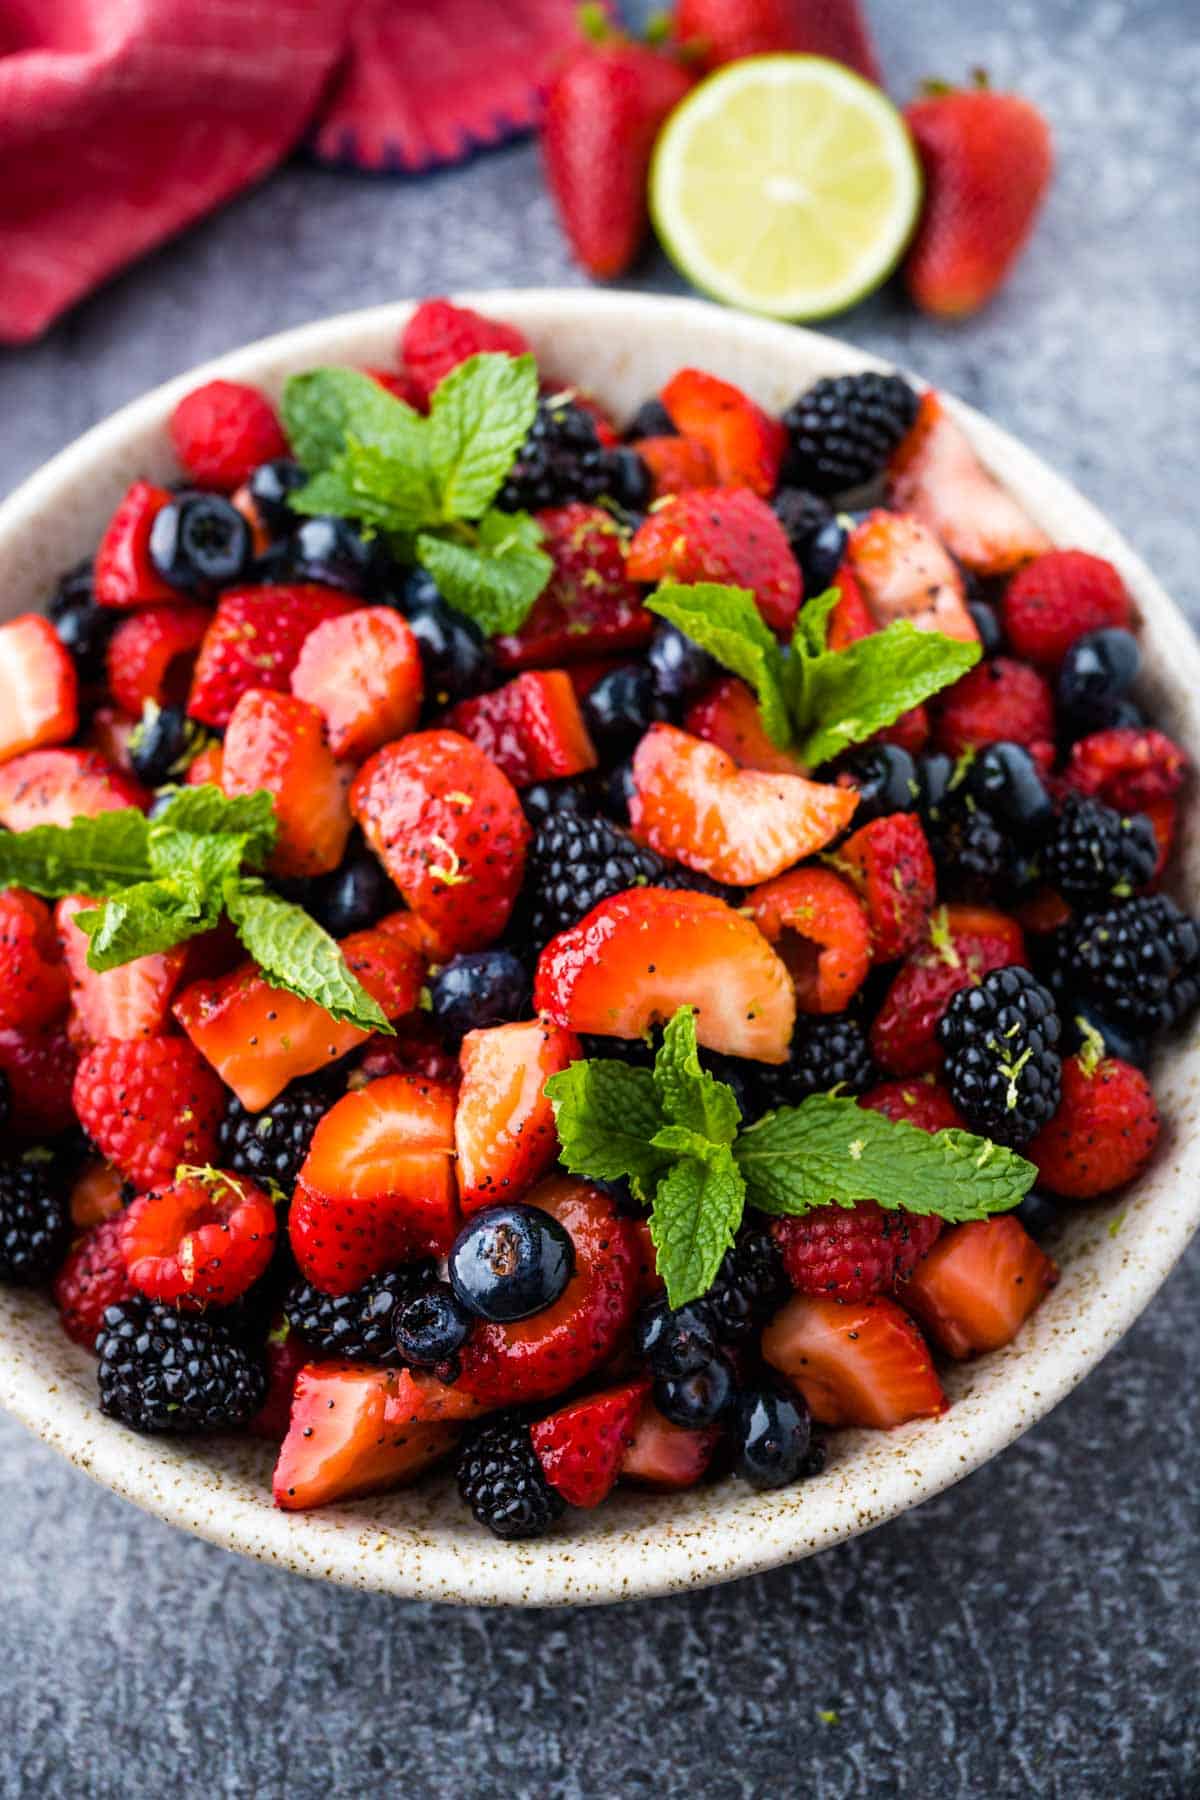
(987, 160)
(723, 31)
(603, 112)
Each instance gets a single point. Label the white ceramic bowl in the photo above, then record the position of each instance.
(422, 1543)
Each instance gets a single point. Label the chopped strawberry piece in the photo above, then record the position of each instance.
(286, 1354)
(52, 787)
(998, 701)
(1057, 598)
(200, 1242)
(531, 728)
(223, 430)
(667, 1457)
(340, 1442)
(581, 1446)
(377, 1186)
(274, 742)
(904, 572)
(639, 956)
(108, 732)
(205, 769)
(1103, 1133)
(541, 1356)
(745, 443)
(920, 1101)
(33, 982)
(649, 1281)
(820, 928)
(851, 1252)
(857, 1362)
(935, 475)
(962, 945)
(676, 465)
(149, 1104)
(98, 1193)
(725, 534)
(979, 1284)
(420, 1399)
(123, 574)
(504, 1126)
(590, 606)
(851, 618)
(254, 640)
(362, 672)
(727, 715)
(440, 335)
(889, 862)
(692, 802)
(39, 1067)
(258, 1038)
(1127, 767)
(151, 655)
(447, 826)
(39, 690)
(130, 1001)
(92, 1278)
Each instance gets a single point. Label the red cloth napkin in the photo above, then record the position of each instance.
(121, 121)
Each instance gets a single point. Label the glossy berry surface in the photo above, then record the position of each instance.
(501, 1480)
(271, 1145)
(270, 485)
(200, 542)
(83, 628)
(354, 895)
(987, 623)
(771, 1432)
(1005, 780)
(477, 989)
(1002, 1063)
(885, 777)
(167, 1371)
(822, 555)
(1097, 853)
(621, 707)
(842, 430)
(162, 745)
(510, 1262)
(454, 652)
(679, 667)
(748, 1286)
(700, 1396)
(675, 1341)
(431, 1326)
(360, 1326)
(35, 1224)
(331, 551)
(1094, 681)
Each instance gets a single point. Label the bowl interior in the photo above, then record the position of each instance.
(420, 1542)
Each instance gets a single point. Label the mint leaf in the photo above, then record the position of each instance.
(850, 694)
(295, 954)
(689, 1096)
(89, 856)
(324, 407)
(201, 811)
(478, 420)
(143, 919)
(697, 1209)
(495, 574)
(605, 1114)
(726, 622)
(829, 1149)
(810, 634)
(387, 491)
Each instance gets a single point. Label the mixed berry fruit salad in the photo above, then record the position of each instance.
(592, 950)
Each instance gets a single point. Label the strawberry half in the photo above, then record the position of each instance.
(820, 928)
(274, 742)
(52, 787)
(362, 672)
(590, 606)
(504, 1126)
(582, 1446)
(962, 945)
(890, 864)
(377, 1186)
(123, 574)
(979, 1284)
(856, 1362)
(39, 690)
(33, 982)
(202, 1241)
(692, 803)
(531, 728)
(676, 464)
(667, 1457)
(642, 954)
(130, 1001)
(151, 655)
(746, 445)
(903, 571)
(341, 1442)
(725, 534)
(727, 715)
(254, 640)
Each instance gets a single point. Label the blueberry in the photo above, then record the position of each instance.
(161, 746)
(679, 667)
(509, 1262)
(1120, 1042)
(454, 652)
(698, 1397)
(771, 1432)
(987, 624)
(200, 541)
(886, 779)
(618, 792)
(355, 894)
(431, 1326)
(675, 1342)
(83, 628)
(823, 557)
(650, 420)
(1038, 1213)
(1096, 674)
(627, 479)
(1006, 782)
(479, 988)
(935, 773)
(622, 706)
(330, 550)
(270, 485)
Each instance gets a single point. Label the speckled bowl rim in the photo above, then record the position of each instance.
(419, 1543)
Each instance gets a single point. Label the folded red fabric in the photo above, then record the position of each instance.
(121, 121)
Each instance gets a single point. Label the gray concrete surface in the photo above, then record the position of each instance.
(1032, 1632)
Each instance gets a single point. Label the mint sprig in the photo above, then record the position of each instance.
(814, 700)
(677, 1135)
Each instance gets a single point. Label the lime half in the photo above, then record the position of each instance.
(786, 185)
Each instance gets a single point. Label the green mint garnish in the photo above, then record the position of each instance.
(676, 1134)
(493, 571)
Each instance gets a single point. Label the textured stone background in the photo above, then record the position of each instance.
(1031, 1632)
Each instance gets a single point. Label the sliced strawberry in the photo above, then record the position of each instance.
(1104, 1132)
(856, 1362)
(377, 1186)
(205, 769)
(92, 1278)
(727, 715)
(286, 1354)
(132, 1000)
(340, 1442)
(258, 1038)
(52, 787)
(820, 928)
(447, 826)
(362, 672)
(581, 1446)
(904, 572)
(200, 1242)
(676, 465)
(634, 959)
(920, 1101)
(745, 443)
(544, 1355)
(274, 742)
(151, 655)
(962, 945)
(123, 574)
(98, 1193)
(725, 534)
(667, 1457)
(420, 1399)
(935, 475)
(33, 981)
(979, 1284)
(504, 1126)
(39, 1067)
(889, 862)
(531, 728)
(589, 607)
(108, 732)
(39, 690)
(254, 640)
(852, 619)
(691, 802)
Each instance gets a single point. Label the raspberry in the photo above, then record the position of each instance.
(166, 1371)
(1126, 767)
(1097, 853)
(1002, 1067)
(849, 1253)
(92, 1279)
(359, 1326)
(1058, 597)
(560, 460)
(576, 862)
(35, 1221)
(39, 1067)
(440, 335)
(1137, 964)
(271, 1145)
(501, 1480)
(33, 981)
(998, 700)
(205, 1240)
(843, 429)
(922, 1101)
(223, 430)
(149, 1104)
(748, 1285)
(1103, 1133)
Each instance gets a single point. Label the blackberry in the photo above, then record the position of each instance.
(1097, 853)
(83, 628)
(1136, 964)
(271, 1145)
(574, 863)
(825, 1053)
(546, 798)
(844, 428)
(35, 1219)
(749, 1285)
(167, 1371)
(561, 459)
(802, 515)
(972, 853)
(501, 1480)
(361, 1326)
(1002, 1063)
